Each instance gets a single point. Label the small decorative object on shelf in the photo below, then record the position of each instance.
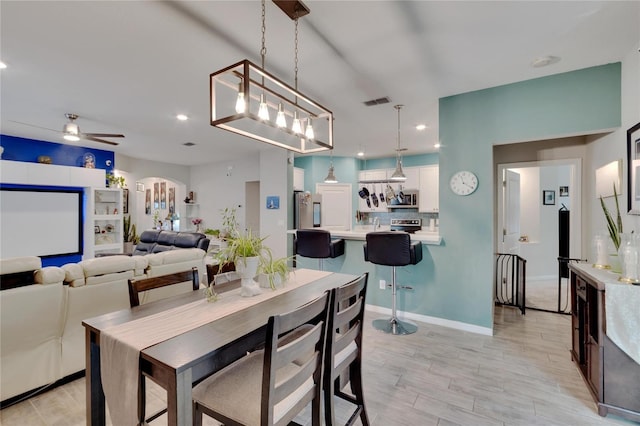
(89, 161)
(44, 159)
(114, 181)
(196, 221)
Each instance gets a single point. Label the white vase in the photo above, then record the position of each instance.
(263, 279)
(247, 268)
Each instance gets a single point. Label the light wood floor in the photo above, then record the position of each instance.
(523, 375)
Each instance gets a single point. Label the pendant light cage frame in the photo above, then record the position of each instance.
(240, 92)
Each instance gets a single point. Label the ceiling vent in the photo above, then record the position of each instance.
(378, 101)
(188, 144)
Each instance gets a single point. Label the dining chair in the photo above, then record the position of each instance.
(343, 352)
(137, 286)
(266, 387)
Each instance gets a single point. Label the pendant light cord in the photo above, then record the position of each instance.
(263, 50)
(295, 54)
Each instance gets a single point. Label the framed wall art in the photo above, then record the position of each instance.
(633, 169)
(156, 195)
(125, 200)
(147, 201)
(172, 200)
(564, 191)
(549, 197)
(163, 195)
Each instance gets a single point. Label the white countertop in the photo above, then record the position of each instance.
(359, 233)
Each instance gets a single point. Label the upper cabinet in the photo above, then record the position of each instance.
(428, 186)
(298, 179)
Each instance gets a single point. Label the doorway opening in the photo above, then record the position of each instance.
(539, 222)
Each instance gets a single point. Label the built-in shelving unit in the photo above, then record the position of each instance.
(104, 225)
(192, 211)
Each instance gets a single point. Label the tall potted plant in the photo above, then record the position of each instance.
(614, 226)
(130, 236)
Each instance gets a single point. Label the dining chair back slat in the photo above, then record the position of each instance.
(343, 354)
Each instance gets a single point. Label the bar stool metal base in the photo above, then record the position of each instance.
(395, 326)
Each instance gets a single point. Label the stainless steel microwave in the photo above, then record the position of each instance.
(406, 199)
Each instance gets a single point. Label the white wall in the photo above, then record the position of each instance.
(275, 173)
(221, 185)
(603, 150)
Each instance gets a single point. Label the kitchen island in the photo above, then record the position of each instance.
(412, 302)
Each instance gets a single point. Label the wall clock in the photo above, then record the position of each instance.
(463, 183)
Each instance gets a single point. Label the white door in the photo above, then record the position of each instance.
(335, 210)
(509, 213)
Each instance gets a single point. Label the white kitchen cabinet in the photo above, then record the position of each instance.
(298, 179)
(413, 177)
(103, 225)
(429, 192)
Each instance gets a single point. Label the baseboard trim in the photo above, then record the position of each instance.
(458, 325)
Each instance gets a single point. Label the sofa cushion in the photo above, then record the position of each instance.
(175, 256)
(107, 265)
(187, 239)
(19, 264)
(50, 275)
(167, 238)
(73, 274)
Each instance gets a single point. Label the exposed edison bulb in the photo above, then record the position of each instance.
(296, 127)
(241, 105)
(309, 130)
(281, 121)
(263, 111)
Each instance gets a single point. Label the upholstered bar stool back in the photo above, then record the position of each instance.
(317, 244)
(393, 249)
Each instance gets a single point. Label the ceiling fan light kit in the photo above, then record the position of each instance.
(71, 132)
(262, 93)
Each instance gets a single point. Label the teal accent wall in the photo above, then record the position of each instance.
(578, 102)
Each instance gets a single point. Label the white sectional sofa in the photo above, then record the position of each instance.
(42, 337)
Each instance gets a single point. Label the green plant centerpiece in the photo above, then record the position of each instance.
(244, 250)
(273, 272)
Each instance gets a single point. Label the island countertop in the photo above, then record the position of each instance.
(359, 233)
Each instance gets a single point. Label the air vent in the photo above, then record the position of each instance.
(378, 101)
(188, 144)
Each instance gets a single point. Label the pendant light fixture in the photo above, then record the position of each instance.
(331, 178)
(245, 96)
(398, 175)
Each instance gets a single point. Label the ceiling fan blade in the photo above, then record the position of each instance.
(103, 135)
(33, 125)
(91, 138)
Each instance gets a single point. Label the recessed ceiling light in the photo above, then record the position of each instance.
(182, 117)
(421, 126)
(543, 61)
(360, 154)
(2, 65)
(436, 145)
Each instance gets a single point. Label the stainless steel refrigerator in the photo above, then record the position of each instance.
(306, 210)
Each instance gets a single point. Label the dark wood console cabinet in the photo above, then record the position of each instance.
(610, 374)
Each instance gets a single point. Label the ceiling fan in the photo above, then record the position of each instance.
(71, 132)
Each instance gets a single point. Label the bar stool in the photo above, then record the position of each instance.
(393, 248)
(317, 244)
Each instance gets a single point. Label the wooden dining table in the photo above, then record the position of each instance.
(178, 362)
